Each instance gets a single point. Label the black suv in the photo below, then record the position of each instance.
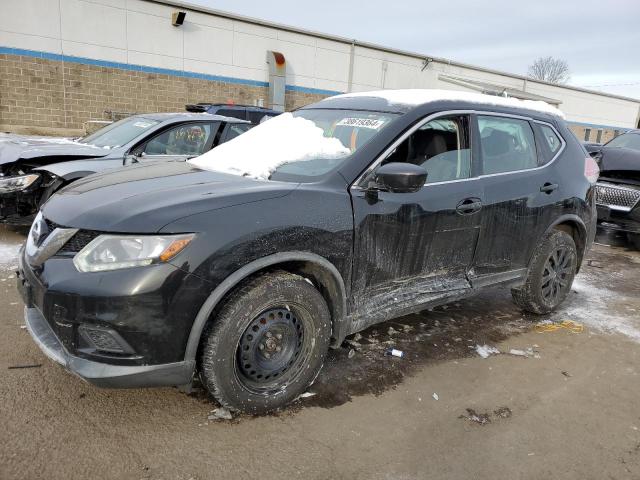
(244, 112)
(244, 265)
(618, 187)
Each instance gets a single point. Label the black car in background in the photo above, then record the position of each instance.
(33, 168)
(254, 114)
(243, 266)
(618, 189)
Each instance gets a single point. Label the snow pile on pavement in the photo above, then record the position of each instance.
(416, 96)
(595, 307)
(260, 151)
(485, 351)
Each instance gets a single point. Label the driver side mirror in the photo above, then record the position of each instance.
(130, 159)
(400, 177)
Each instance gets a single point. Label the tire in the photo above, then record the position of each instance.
(550, 274)
(634, 240)
(267, 344)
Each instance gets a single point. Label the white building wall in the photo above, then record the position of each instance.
(139, 32)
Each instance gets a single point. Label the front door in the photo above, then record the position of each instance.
(413, 248)
(180, 142)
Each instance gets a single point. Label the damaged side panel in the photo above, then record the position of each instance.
(411, 249)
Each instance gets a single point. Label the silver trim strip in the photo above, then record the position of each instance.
(356, 185)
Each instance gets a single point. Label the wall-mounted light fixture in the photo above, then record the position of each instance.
(425, 63)
(177, 18)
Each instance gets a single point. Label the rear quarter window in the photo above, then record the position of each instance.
(549, 142)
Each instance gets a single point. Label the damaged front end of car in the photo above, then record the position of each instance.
(22, 191)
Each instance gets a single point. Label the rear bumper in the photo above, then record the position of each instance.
(101, 374)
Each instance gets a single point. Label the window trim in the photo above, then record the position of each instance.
(357, 183)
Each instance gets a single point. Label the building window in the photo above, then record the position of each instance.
(599, 137)
(587, 134)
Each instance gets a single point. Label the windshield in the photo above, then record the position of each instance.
(305, 143)
(119, 133)
(627, 140)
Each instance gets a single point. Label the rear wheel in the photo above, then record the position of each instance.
(550, 274)
(267, 344)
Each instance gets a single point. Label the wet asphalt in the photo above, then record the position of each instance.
(568, 409)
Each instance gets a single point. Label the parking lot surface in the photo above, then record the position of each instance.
(563, 406)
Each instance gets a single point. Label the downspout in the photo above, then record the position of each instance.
(351, 58)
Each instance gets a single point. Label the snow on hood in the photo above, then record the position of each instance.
(279, 140)
(414, 97)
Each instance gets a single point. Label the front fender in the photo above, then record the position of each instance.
(76, 169)
(338, 306)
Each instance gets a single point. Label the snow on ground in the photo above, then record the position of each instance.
(420, 96)
(599, 308)
(282, 139)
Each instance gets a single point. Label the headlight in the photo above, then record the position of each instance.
(111, 252)
(15, 184)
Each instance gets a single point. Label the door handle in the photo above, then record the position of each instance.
(548, 187)
(469, 206)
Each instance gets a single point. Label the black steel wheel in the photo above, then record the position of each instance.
(550, 274)
(271, 350)
(266, 344)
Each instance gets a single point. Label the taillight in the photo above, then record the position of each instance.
(591, 170)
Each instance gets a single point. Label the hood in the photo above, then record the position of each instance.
(619, 159)
(14, 147)
(143, 199)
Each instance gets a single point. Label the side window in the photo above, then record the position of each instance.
(552, 139)
(233, 130)
(189, 139)
(441, 146)
(507, 144)
(258, 117)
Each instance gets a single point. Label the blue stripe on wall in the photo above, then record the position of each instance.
(160, 71)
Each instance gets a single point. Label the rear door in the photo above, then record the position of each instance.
(233, 130)
(522, 194)
(411, 248)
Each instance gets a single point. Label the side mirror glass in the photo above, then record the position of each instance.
(400, 177)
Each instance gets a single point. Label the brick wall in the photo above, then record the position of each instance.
(581, 133)
(40, 96)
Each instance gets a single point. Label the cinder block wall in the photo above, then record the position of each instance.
(50, 97)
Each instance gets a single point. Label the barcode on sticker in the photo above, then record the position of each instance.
(361, 123)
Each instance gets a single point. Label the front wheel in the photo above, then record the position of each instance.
(267, 343)
(550, 274)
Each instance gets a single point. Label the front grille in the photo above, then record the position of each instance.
(80, 240)
(617, 197)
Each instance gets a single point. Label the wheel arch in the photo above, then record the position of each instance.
(574, 226)
(323, 274)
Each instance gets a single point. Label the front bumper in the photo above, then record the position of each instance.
(101, 374)
(618, 221)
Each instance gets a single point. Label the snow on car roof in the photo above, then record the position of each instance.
(415, 97)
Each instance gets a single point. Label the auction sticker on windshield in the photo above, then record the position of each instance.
(372, 123)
